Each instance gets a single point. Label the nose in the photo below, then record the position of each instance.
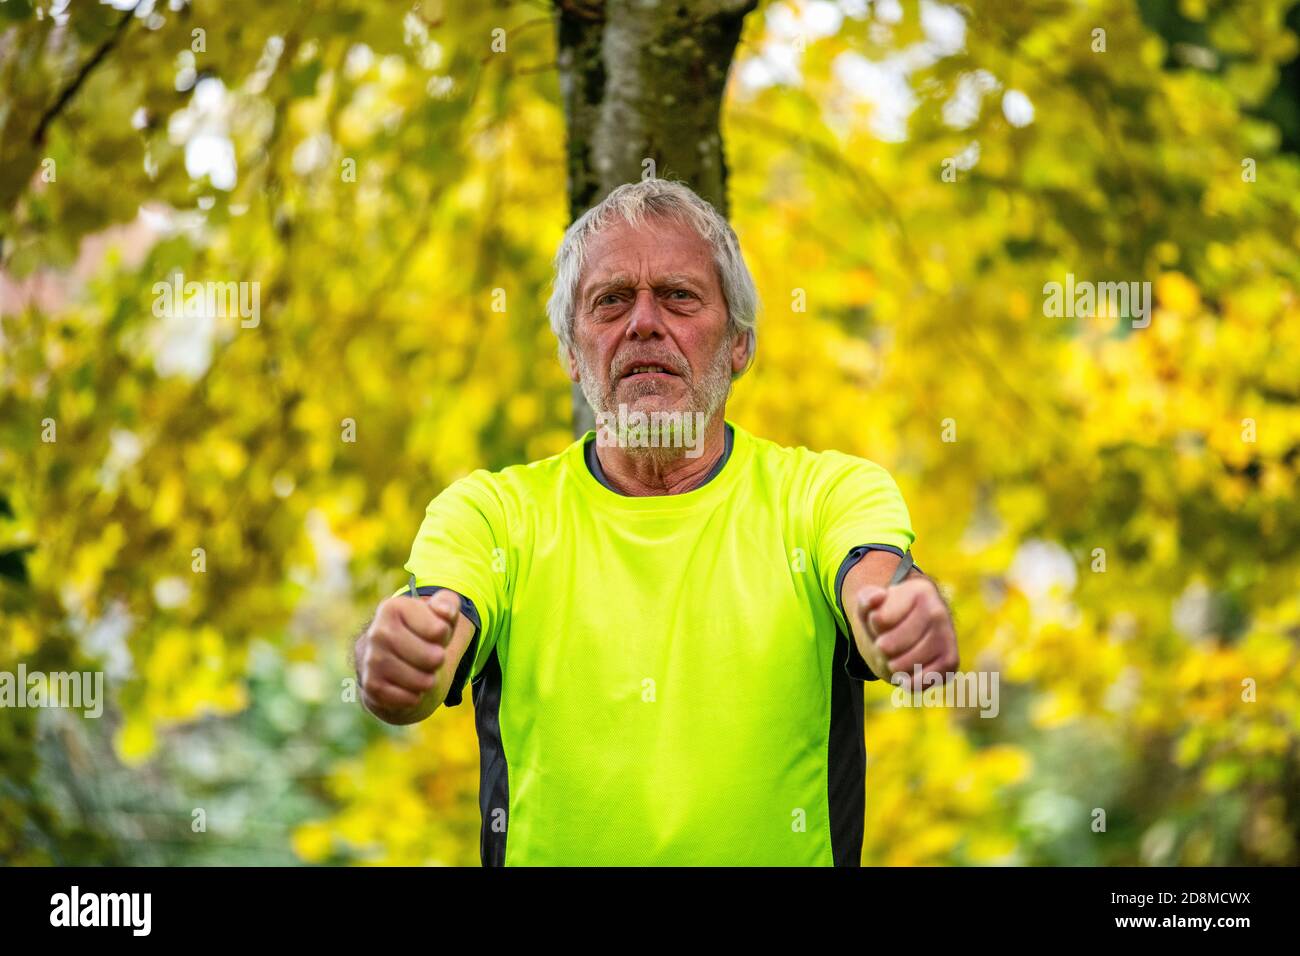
(644, 320)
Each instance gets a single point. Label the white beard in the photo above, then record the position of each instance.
(708, 395)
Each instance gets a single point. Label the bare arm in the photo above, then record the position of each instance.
(408, 655)
(898, 627)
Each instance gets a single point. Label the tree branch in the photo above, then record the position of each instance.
(38, 137)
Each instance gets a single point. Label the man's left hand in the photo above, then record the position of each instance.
(910, 624)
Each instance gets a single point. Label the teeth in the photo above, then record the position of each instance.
(646, 368)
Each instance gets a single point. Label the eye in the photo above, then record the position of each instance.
(609, 298)
(685, 293)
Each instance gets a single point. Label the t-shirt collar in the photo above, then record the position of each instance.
(597, 472)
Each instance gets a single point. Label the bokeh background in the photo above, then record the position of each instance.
(1112, 510)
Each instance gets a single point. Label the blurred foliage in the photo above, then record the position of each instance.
(392, 171)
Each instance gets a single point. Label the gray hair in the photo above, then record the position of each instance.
(663, 199)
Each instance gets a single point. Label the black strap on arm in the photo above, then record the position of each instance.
(903, 570)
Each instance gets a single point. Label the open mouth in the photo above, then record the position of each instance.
(648, 372)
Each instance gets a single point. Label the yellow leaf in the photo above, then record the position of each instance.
(136, 741)
(312, 842)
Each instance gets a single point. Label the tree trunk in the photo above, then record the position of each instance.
(642, 84)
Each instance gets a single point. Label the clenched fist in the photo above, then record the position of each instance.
(401, 655)
(908, 624)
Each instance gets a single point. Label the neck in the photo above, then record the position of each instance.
(634, 473)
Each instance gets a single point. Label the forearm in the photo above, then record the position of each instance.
(431, 699)
(904, 628)
(876, 568)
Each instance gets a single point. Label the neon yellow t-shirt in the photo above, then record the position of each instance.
(662, 680)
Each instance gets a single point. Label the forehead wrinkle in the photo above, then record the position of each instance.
(681, 278)
(619, 236)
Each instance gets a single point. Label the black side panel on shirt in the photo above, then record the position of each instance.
(494, 774)
(846, 762)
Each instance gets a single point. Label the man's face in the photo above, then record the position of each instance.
(650, 296)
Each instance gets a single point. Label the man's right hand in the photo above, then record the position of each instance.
(401, 656)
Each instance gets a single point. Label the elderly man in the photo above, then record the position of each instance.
(666, 629)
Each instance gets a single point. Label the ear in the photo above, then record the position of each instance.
(571, 365)
(739, 353)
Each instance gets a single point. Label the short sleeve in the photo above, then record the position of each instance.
(462, 545)
(856, 503)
